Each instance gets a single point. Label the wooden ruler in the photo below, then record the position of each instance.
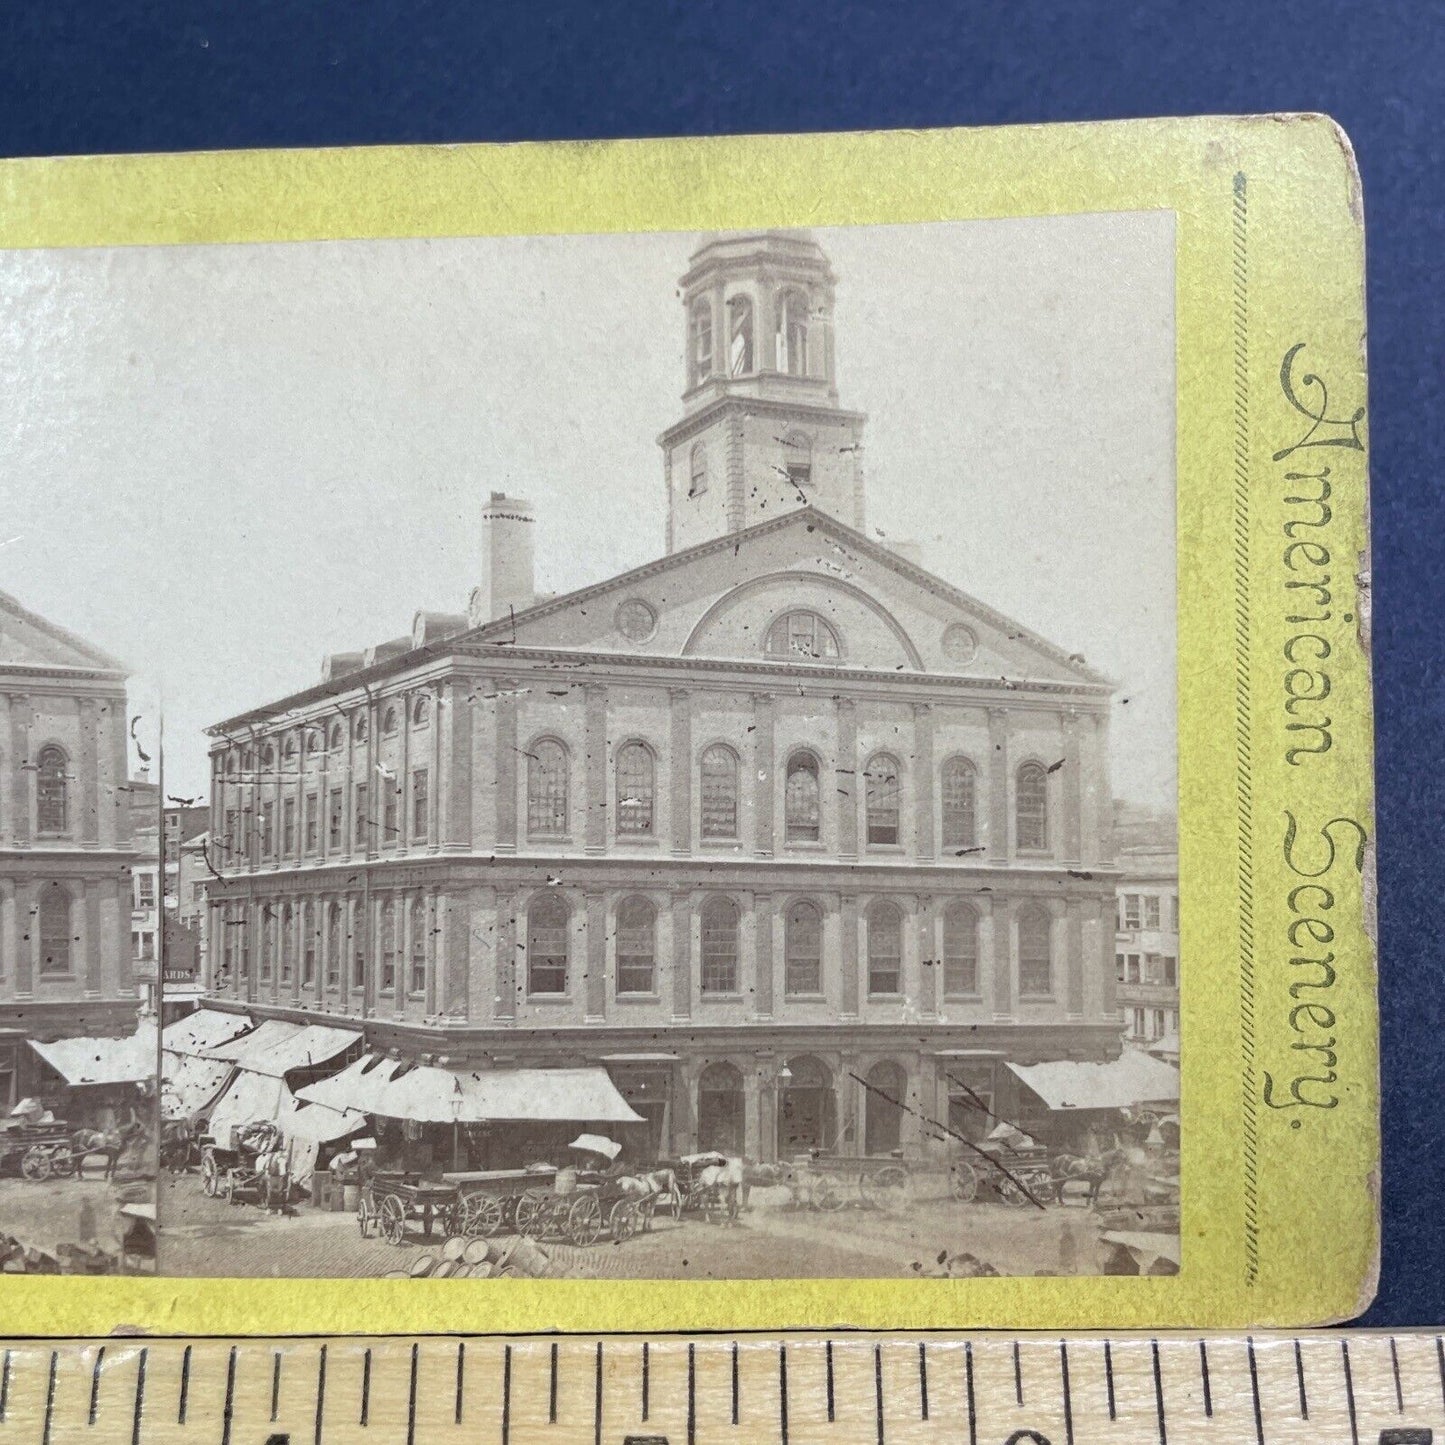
(1352, 1387)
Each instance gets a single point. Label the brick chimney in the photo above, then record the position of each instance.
(507, 549)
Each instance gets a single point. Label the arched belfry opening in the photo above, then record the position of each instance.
(762, 430)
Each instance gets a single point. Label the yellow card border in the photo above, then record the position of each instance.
(1280, 1086)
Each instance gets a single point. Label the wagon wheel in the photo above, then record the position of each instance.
(584, 1221)
(63, 1162)
(230, 1188)
(1043, 1187)
(886, 1188)
(35, 1166)
(391, 1215)
(963, 1181)
(365, 1214)
(210, 1175)
(622, 1220)
(826, 1195)
(529, 1207)
(481, 1216)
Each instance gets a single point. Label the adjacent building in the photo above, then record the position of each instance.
(1146, 939)
(67, 845)
(780, 829)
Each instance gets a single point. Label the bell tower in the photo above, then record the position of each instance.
(761, 431)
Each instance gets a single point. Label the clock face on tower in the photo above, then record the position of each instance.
(636, 620)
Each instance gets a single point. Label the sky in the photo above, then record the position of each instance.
(222, 462)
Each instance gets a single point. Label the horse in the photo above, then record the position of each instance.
(724, 1182)
(110, 1144)
(1090, 1170)
(652, 1185)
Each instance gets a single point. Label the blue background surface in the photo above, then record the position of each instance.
(118, 76)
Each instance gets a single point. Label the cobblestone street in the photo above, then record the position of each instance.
(771, 1240)
(46, 1215)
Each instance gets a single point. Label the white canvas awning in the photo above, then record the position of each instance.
(276, 1047)
(396, 1090)
(206, 1028)
(129, 1060)
(1133, 1078)
(254, 1098)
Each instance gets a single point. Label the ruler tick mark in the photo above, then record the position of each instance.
(1350, 1391)
(597, 1401)
(1159, 1393)
(506, 1394)
(1068, 1395)
(645, 1381)
(411, 1399)
(1109, 1376)
(229, 1408)
(1204, 1381)
(968, 1377)
(365, 1386)
(552, 1389)
(275, 1384)
(1253, 1388)
(461, 1378)
(691, 1394)
(95, 1370)
(922, 1380)
(783, 1393)
(878, 1389)
(320, 1391)
(4, 1386)
(185, 1383)
(828, 1358)
(1018, 1376)
(140, 1397)
(1439, 1363)
(1395, 1370)
(49, 1400)
(1299, 1374)
(735, 1382)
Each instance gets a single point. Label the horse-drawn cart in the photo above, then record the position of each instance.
(251, 1170)
(827, 1181)
(391, 1202)
(489, 1198)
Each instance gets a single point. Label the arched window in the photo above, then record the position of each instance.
(720, 946)
(636, 946)
(1036, 974)
(546, 789)
(798, 460)
(792, 333)
(880, 780)
(719, 792)
(52, 810)
(697, 470)
(547, 920)
(802, 637)
(270, 922)
(388, 947)
(885, 949)
(291, 750)
(358, 729)
(268, 760)
(803, 949)
(699, 341)
(720, 1109)
(333, 945)
(960, 951)
(314, 741)
(635, 790)
(288, 943)
(420, 712)
(310, 941)
(1031, 805)
(416, 984)
(55, 929)
(883, 1109)
(338, 737)
(960, 825)
(802, 815)
(389, 723)
(806, 1108)
(740, 336)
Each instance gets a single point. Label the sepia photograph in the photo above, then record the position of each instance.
(645, 755)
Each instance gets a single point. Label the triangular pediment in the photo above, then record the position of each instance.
(28, 640)
(730, 598)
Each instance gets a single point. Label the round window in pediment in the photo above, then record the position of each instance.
(960, 645)
(636, 620)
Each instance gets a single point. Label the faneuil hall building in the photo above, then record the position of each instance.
(775, 817)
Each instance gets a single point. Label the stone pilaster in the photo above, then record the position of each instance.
(596, 989)
(1071, 786)
(507, 758)
(1074, 958)
(998, 786)
(764, 714)
(595, 837)
(764, 954)
(87, 825)
(1002, 961)
(456, 716)
(849, 785)
(847, 957)
(923, 781)
(680, 752)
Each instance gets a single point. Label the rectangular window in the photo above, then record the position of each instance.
(231, 840)
(960, 953)
(1171, 972)
(634, 954)
(334, 812)
(1137, 1031)
(268, 828)
(1132, 912)
(145, 891)
(388, 952)
(800, 475)
(1151, 911)
(313, 823)
(417, 983)
(803, 958)
(1119, 967)
(358, 964)
(268, 944)
(1152, 971)
(1134, 975)
(420, 806)
(288, 827)
(391, 817)
(1158, 1024)
(1174, 913)
(719, 951)
(361, 829)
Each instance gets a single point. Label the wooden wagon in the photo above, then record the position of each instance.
(489, 1198)
(828, 1181)
(390, 1202)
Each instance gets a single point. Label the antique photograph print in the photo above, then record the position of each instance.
(635, 755)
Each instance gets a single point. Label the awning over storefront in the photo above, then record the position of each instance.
(79, 1061)
(276, 1047)
(190, 1081)
(1133, 1078)
(397, 1090)
(264, 1098)
(207, 1028)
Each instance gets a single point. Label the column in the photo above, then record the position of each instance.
(27, 937)
(852, 1101)
(300, 923)
(849, 786)
(1074, 957)
(923, 781)
(1108, 979)
(684, 1102)
(402, 783)
(91, 940)
(764, 713)
(9, 771)
(1002, 960)
(767, 1069)
(998, 787)
(435, 791)
(505, 934)
(89, 771)
(21, 770)
(455, 941)
(506, 834)
(681, 956)
(596, 991)
(595, 839)
(752, 1114)
(1073, 793)
(458, 784)
(930, 955)
(681, 766)
(765, 963)
(848, 956)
